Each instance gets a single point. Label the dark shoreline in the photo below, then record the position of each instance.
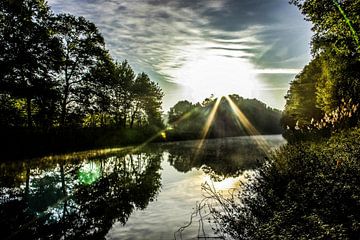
(19, 144)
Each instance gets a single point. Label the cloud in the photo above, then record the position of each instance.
(278, 71)
(164, 37)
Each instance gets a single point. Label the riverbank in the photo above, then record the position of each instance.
(22, 143)
(308, 190)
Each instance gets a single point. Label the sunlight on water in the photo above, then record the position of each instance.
(226, 184)
(229, 183)
(85, 154)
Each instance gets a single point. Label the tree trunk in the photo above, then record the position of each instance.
(63, 187)
(125, 118)
(28, 112)
(133, 117)
(63, 105)
(27, 182)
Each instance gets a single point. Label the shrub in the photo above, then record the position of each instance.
(305, 191)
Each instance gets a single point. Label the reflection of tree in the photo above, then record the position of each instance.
(219, 158)
(59, 206)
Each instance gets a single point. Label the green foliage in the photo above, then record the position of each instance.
(28, 53)
(301, 104)
(58, 68)
(333, 76)
(305, 191)
(82, 49)
(310, 189)
(336, 25)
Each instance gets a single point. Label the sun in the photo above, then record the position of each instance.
(207, 73)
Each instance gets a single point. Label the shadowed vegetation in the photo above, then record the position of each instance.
(59, 84)
(193, 117)
(309, 189)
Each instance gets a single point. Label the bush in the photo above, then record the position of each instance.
(306, 191)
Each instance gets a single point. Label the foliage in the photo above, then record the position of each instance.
(305, 191)
(334, 30)
(309, 189)
(28, 51)
(56, 72)
(333, 76)
(187, 119)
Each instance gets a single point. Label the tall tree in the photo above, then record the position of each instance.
(83, 47)
(124, 78)
(301, 99)
(336, 27)
(28, 51)
(147, 98)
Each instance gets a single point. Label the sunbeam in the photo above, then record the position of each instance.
(249, 128)
(207, 125)
(162, 132)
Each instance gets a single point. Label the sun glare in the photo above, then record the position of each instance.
(208, 72)
(224, 185)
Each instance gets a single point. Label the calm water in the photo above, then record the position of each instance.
(146, 193)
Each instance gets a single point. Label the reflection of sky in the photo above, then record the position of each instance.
(195, 48)
(172, 205)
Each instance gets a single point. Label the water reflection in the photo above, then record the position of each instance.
(219, 158)
(78, 199)
(110, 193)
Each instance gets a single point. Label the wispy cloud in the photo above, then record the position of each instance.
(278, 71)
(166, 38)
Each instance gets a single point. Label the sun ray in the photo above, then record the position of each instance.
(207, 126)
(162, 132)
(249, 128)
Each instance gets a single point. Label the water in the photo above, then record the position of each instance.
(146, 193)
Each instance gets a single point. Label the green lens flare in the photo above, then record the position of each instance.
(89, 173)
(356, 38)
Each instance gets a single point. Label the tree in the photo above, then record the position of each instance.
(332, 78)
(97, 93)
(335, 25)
(28, 52)
(148, 96)
(303, 96)
(122, 82)
(188, 120)
(179, 110)
(82, 48)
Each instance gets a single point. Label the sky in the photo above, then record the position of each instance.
(195, 48)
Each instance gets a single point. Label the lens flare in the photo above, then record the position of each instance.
(347, 20)
(89, 173)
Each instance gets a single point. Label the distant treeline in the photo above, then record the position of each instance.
(57, 81)
(188, 120)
